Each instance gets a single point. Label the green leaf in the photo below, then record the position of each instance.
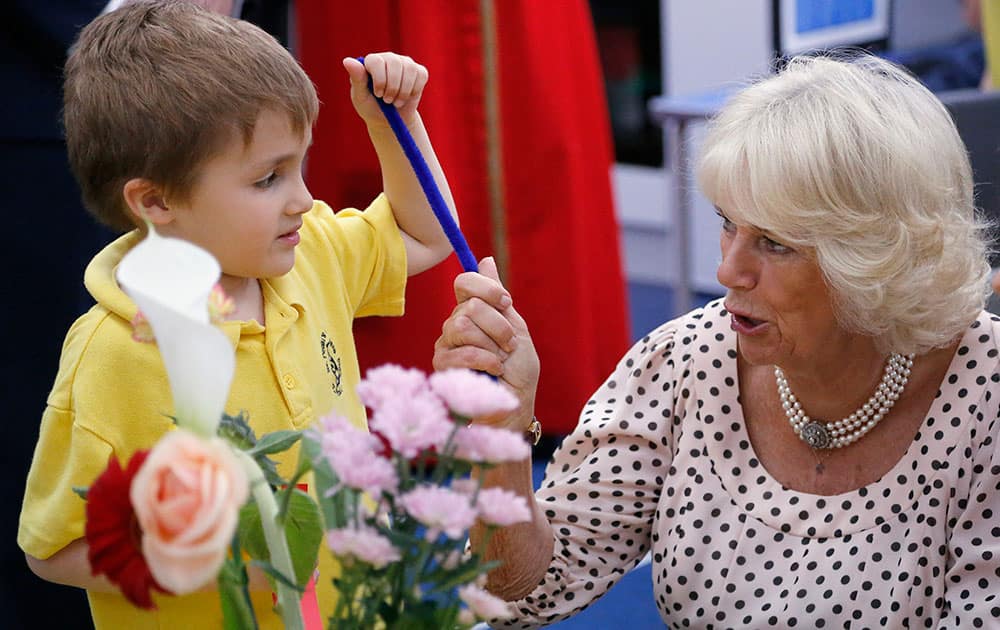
(251, 532)
(334, 508)
(305, 465)
(276, 575)
(401, 538)
(249, 529)
(275, 442)
(237, 430)
(270, 470)
(81, 492)
(303, 530)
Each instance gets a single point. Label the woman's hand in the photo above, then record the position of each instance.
(396, 79)
(484, 332)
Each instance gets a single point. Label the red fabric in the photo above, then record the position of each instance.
(562, 237)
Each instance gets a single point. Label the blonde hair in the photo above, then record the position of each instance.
(154, 89)
(856, 162)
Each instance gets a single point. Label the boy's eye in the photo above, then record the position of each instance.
(267, 181)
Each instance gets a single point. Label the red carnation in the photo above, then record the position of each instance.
(114, 535)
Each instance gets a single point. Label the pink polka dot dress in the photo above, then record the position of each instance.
(661, 462)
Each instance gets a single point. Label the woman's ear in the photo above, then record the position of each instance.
(146, 201)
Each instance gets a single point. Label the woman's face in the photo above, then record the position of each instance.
(779, 304)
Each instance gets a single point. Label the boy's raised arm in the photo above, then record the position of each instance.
(400, 81)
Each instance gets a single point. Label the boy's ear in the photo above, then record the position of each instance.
(146, 201)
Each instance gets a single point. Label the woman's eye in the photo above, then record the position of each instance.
(727, 225)
(268, 181)
(775, 246)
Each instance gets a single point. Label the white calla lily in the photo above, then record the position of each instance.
(170, 280)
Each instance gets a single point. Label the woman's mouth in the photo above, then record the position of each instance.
(748, 321)
(746, 325)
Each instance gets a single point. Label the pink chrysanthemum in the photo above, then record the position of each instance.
(335, 432)
(484, 605)
(465, 485)
(472, 395)
(478, 443)
(501, 507)
(352, 454)
(440, 509)
(390, 381)
(413, 424)
(364, 544)
(371, 474)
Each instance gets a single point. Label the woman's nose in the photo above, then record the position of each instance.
(738, 269)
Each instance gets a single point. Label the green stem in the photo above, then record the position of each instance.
(274, 535)
(234, 589)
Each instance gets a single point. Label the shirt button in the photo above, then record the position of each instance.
(289, 381)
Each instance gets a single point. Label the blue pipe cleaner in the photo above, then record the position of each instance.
(427, 183)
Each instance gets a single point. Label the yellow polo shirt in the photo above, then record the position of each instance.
(111, 394)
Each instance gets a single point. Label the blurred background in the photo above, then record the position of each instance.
(567, 129)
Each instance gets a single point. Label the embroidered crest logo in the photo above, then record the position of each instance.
(332, 361)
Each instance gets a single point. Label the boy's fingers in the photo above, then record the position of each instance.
(421, 75)
(375, 64)
(355, 71)
(393, 78)
(408, 80)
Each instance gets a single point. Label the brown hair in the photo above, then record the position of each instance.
(155, 88)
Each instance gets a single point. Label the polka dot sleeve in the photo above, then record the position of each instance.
(972, 577)
(731, 547)
(601, 490)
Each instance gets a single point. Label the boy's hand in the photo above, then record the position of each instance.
(396, 79)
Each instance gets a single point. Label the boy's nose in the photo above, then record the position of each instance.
(303, 200)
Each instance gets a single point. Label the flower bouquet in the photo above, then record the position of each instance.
(206, 503)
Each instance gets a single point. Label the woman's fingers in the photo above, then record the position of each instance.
(479, 285)
(468, 357)
(475, 323)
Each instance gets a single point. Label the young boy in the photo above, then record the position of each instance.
(201, 123)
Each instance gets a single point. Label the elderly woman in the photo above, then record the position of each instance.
(818, 448)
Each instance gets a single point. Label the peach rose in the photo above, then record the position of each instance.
(187, 498)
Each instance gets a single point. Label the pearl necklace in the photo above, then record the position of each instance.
(818, 434)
